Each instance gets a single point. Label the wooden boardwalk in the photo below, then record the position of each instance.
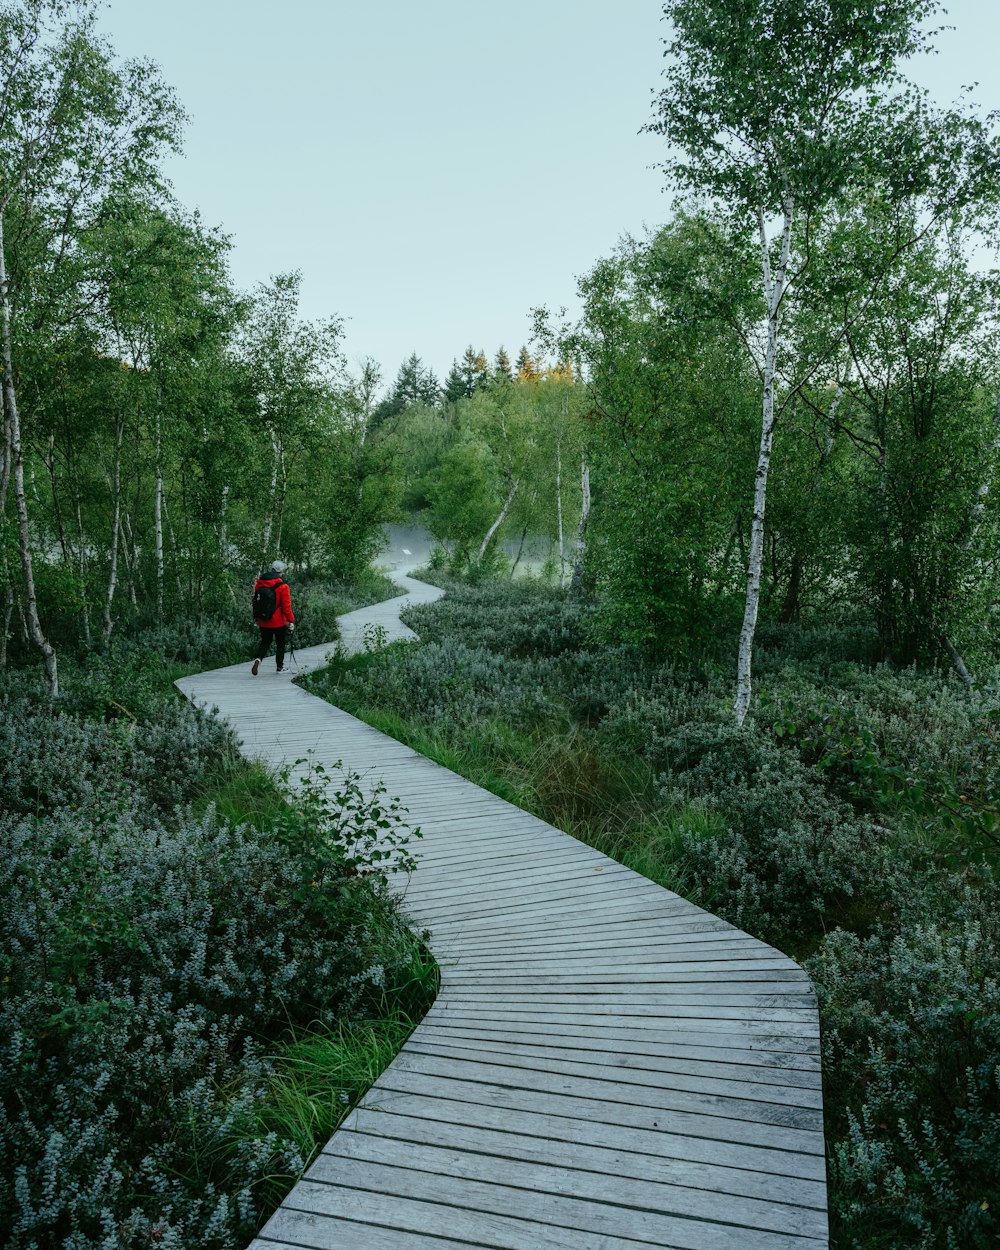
(606, 1067)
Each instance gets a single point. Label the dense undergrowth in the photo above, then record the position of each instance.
(853, 824)
(196, 982)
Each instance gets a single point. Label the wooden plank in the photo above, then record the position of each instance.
(768, 1166)
(665, 1160)
(406, 1077)
(794, 1124)
(329, 1232)
(716, 1062)
(729, 1085)
(803, 1034)
(538, 1174)
(421, 1221)
(330, 1177)
(765, 1052)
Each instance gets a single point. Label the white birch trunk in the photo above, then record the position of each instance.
(774, 289)
(17, 466)
(501, 518)
(81, 564)
(158, 519)
(581, 529)
(282, 495)
(269, 519)
(8, 613)
(224, 531)
(7, 454)
(982, 493)
(116, 528)
(173, 550)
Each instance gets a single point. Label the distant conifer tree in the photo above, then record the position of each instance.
(527, 370)
(501, 367)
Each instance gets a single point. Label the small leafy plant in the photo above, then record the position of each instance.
(338, 828)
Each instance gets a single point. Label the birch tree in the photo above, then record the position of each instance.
(293, 366)
(72, 124)
(779, 110)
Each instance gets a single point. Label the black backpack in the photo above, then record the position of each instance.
(265, 602)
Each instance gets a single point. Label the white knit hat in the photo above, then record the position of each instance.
(279, 566)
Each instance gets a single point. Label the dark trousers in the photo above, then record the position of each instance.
(279, 636)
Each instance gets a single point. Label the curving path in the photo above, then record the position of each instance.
(606, 1067)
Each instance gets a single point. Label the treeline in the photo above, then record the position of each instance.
(163, 432)
(498, 452)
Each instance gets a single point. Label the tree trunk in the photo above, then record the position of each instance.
(17, 458)
(958, 663)
(269, 519)
(515, 483)
(130, 557)
(223, 531)
(520, 548)
(175, 555)
(774, 289)
(81, 557)
(282, 495)
(158, 519)
(8, 613)
(116, 529)
(57, 513)
(581, 530)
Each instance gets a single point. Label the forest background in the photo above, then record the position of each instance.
(778, 413)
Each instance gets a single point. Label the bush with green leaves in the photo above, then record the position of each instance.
(911, 1054)
(152, 962)
(525, 620)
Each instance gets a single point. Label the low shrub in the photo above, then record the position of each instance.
(153, 962)
(791, 859)
(522, 620)
(911, 1053)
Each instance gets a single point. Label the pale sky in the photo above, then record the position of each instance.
(435, 167)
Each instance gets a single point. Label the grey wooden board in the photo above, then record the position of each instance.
(638, 1042)
(488, 1158)
(331, 1179)
(768, 1123)
(606, 1066)
(774, 1170)
(711, 1070)
(526, 1136)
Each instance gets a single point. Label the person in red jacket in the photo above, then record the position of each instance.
(277, 624)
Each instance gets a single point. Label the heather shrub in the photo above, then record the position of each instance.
(912, 748)
(152, 962)
(526, 620)
(911, 1052)
(51, 759)
(791, 858)
(442, 682)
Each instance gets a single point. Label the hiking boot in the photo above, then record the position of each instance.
(256, 667)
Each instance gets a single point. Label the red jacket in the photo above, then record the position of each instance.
(283, 612)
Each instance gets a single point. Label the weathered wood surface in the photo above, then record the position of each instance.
(606, 1066)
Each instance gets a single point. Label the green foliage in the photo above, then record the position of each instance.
(156, 956)
(913, 1047)
(338, 828)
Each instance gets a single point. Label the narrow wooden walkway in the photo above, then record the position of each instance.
(606, 1067)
